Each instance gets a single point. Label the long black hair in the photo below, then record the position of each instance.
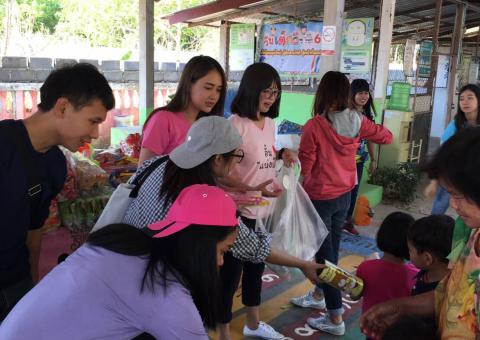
(392, 234)
(332, 92)
(460, 119)
(360, 85)
(196, 68)
(456, 163)
(256, 78)
(190, 256)
(176, 179)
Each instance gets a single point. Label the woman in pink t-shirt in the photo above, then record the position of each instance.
(200, 92)
(255, 104)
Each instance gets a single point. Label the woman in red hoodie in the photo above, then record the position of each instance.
(327, 153)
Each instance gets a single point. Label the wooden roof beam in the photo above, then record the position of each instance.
(206, 9)
(243, 12)
(469, 5)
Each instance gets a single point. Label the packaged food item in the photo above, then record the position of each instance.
(338, 278)
(89, 175)
(86, 150)
(69, 191)
(53, 219)
(131, 145)
(108, 157)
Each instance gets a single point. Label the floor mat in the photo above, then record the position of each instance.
(290, 320)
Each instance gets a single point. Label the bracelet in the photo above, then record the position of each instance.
(280, 153)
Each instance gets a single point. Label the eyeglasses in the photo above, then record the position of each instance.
(271, 93)
(240, 154)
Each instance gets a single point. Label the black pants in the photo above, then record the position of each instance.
(9, 296)
(230, 274)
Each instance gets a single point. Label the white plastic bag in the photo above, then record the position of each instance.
(294, 223)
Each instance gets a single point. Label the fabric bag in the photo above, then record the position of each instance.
(292, 220)
(363, 212)
(117, 205)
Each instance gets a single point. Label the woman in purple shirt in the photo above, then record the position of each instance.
(125, 281)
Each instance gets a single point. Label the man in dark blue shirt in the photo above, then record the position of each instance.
(74, 101)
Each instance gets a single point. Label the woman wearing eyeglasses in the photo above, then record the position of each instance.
(253, 109)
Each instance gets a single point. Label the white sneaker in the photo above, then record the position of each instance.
(324, 324)
(308, 301)
(264, 331)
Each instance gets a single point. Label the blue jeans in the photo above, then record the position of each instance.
(441, 202)
(333, 213)
(354, 192)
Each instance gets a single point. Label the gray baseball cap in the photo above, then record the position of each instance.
(206, 137)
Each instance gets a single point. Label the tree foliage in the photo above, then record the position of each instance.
(101, 23)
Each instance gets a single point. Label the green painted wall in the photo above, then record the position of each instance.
(296, 107)
(378, 103)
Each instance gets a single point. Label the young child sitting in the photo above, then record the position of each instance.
(429, 242)
(389, 277)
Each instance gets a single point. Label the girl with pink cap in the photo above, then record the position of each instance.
(124, 281)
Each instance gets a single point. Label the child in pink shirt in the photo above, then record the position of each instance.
(389, 277)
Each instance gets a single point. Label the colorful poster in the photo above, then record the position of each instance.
(408, 56)
(292, 49)
(425, 59)
(242, 46)
(356, 55)
(329, 34)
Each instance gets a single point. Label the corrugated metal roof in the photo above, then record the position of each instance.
(411, 16)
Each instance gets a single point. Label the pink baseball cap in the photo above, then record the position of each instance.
(198, 204)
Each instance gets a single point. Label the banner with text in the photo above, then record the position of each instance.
(242, 46)
(293, 49)
(356, 54)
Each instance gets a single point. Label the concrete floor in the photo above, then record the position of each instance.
(420, 207)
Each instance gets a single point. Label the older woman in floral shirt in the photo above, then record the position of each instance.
(455, 302)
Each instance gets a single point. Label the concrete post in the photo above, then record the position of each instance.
(146, 70)
(333, 16)
(224, 46)
(386, 27)
(455, 52)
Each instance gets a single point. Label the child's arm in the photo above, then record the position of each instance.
(431, 189)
